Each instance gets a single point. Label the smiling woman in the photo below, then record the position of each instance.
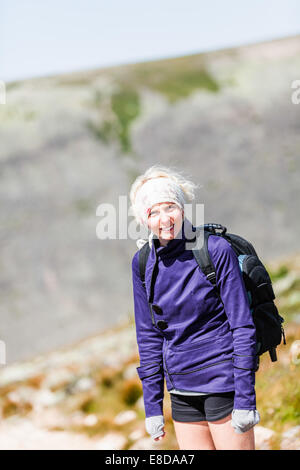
(203, 344)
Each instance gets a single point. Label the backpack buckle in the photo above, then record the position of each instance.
(212, 277)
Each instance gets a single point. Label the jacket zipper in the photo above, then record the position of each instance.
(151, 289)
(165, 364)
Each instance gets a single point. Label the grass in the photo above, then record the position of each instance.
(125, 108)
(175, 79)
(83, 206)
(184, 83)
(280, 272)
(288, 302)
(277, 389)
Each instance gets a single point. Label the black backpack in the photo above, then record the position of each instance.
(268, 322)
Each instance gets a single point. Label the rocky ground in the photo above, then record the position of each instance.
(51, 402)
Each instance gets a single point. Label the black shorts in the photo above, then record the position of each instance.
(212, 407)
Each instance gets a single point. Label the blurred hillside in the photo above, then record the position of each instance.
(72, 142)
(89, 396)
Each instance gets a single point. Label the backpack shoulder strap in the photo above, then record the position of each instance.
(202, 257)
(143, 257)
(204, 260)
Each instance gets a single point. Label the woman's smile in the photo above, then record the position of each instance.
(167, 229)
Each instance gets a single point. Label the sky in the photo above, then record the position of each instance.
(50, 37)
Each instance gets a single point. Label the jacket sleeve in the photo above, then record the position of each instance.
(234, 297)
(150, 342)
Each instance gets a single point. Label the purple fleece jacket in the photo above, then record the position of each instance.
(193, 341)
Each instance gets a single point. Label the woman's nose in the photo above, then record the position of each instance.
(164, 218)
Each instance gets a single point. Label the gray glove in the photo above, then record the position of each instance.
(243, 420)
(155, 425)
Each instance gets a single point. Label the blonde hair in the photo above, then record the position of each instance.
(158, 171)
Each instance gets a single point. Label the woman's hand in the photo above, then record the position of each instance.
(155, 427)
(160, 437)
(243, 420)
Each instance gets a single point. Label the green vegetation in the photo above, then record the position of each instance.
(277, 390)
(281, 272)
(131, 392)
(287, 283)
(83, 206)
(174, 78)
(72, 80)
(125, 107)
(184, 83)
(13, 112)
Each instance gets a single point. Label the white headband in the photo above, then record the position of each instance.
(155, 191)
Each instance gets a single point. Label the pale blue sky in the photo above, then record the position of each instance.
(39, 38)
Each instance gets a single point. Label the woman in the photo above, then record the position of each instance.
(203, 346)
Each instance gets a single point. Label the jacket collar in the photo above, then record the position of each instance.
(173, 249)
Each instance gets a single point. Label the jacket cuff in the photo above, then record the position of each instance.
(152, 377)
(245, 396)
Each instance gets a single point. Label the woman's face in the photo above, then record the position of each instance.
(165, 220)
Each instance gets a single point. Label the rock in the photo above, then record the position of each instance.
(83, 384)
(48, 418)
(136, 434)
(140, 403)
(21, 395)
(112, 441)
(290, 439)
(77, 418)
(130, 372)
(36, 398)
(58, 378)
(125, 417)
(17, 372)
(294, 353)
(22, 434)
(44, 398)
(262, 437)
(90, 420)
